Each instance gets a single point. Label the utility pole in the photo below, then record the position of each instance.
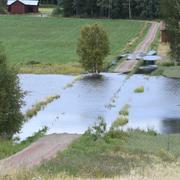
(130, 14)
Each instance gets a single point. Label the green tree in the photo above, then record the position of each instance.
(93, 47)
(170, 10)
(11, 118)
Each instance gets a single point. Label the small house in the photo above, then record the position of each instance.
(22, 6)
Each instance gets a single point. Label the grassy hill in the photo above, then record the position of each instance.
(53, 40)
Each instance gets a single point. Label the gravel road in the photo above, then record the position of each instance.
(44, 149)
(127, 66)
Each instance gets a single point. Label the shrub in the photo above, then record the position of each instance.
(119, 122)
(124, 111)
(98, 130)
(139, 89)
(39, 106)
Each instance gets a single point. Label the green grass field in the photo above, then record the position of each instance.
(53, 40)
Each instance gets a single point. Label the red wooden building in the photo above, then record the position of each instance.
(22, 6)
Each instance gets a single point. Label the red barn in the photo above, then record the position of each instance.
(23, 6)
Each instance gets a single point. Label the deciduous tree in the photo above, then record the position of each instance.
(93, 47)
(11, 118)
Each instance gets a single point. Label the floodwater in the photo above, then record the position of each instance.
(80, 106)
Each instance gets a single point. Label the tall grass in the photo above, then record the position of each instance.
(71, 84)
(10, 147)
(125, 110)
(39, 68)
(139, 89)
(39, 106)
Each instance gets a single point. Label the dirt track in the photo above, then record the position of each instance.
(44, 149)
(127, 66)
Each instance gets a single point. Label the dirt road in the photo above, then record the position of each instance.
(44, 149)
(127, 66)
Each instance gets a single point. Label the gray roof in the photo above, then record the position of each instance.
(26, 2)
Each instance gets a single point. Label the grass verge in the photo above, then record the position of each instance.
(69, 68)
(10, 147)
(168, 71)
(39, 106)
(71, 84)
(125, 110)
(156, 42)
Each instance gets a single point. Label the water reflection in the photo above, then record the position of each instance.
(171, 125)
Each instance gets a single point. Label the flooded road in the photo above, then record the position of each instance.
(79, 106)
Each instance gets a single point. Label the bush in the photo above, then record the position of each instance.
(124, 111)
(117, 134)
(39, 106)
(98, 130)
(119, 122)
(139, 89)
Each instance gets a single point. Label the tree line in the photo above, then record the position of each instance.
(111, 8)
